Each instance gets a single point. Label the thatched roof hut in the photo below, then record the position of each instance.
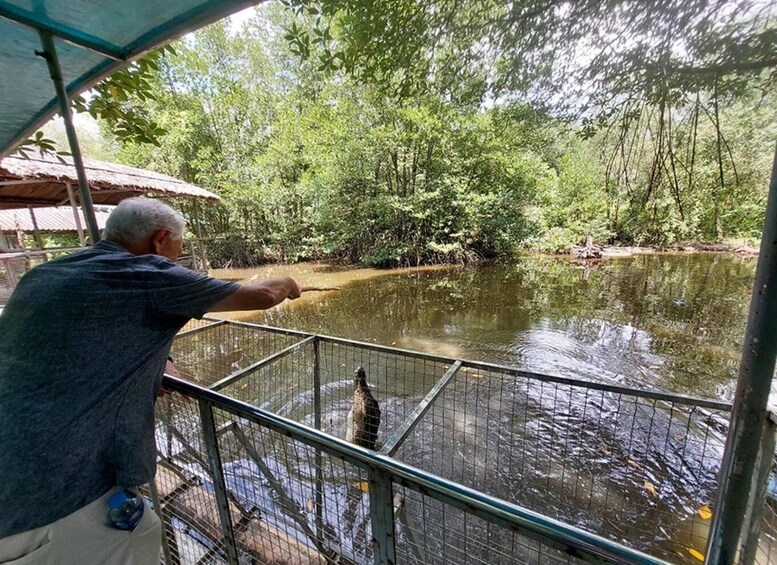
(44, 181)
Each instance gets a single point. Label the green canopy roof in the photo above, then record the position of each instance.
(93, 38)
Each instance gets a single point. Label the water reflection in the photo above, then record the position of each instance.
(669, 321)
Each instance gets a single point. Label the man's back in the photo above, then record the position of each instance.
(83, 344)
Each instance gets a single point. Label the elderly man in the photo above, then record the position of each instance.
(83, 345)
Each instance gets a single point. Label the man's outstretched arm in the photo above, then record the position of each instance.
(260, 295)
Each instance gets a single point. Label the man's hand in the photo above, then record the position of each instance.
(172, 370)
(295, 290)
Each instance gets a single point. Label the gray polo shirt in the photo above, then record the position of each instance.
(83, 345)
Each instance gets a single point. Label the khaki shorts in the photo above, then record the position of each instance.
(84, 538)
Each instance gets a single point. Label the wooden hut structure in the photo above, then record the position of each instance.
(48, 180)
(16, 224)
(40, 194)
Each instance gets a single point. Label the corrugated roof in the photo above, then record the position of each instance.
(93, 38)
(41, 181)
(49, 219)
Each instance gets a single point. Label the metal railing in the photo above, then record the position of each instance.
(476, 463)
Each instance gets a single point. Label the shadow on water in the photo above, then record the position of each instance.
(604, 462)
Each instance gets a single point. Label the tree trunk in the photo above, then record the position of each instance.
(716, 193)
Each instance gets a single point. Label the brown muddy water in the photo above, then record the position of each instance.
(668, 321)
(671, 322)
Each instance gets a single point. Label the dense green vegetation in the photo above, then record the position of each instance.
(395, 153)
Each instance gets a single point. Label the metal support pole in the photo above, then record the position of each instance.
(203, 258)
(50, 54)
(757, 501)
(749, 412)
(394, 441)
(319, 493)
(382, 517)
(317, 382)
(219, 484)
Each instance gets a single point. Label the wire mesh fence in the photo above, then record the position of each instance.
(766, 551)
(397, 380)
(633, 467)
(269, 497)
(184, 484)
(285, 386)
(430, 531)
(310, 505)
(630, 468)
(207, 352)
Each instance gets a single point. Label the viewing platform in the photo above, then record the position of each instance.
(475, 463)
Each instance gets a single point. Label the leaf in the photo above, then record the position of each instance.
(696, 554)
(633, 463)
(363, 486)
(705, 512)
(650, 488)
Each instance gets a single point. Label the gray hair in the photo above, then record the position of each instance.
(136, 219)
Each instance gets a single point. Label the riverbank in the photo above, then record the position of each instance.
(318, 274)
(741, 248)
(337, 273)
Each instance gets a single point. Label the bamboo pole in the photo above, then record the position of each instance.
(76, 215)
(35, 229)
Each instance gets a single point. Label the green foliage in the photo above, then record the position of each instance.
(312, 164)
(111, 100)
(576, 206)
(51, 240)
(576, 55)
(236, 249)
(42, 144)
(694, 171)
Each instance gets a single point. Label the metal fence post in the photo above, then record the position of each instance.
(217, 472)
(319, 494)
(754, 516)
(382, 517)
(756, 371)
